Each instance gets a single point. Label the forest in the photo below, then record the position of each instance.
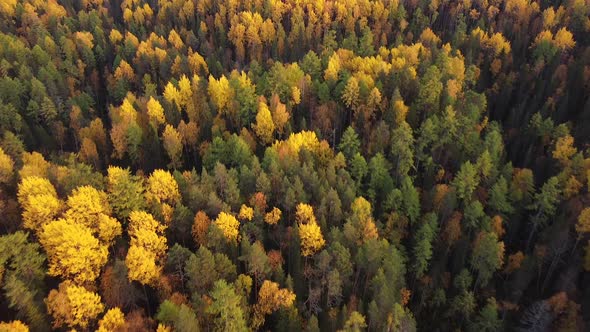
(294, 165)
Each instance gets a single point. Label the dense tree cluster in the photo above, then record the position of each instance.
(342, 165)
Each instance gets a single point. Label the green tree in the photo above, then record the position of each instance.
(349, 143)
(487, 257)
(225, 308)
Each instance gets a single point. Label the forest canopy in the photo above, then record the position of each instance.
(294, 165)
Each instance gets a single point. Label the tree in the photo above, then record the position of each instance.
(125, 192)
(180, 316)
(6, 167)
(487, 257)
(564, 149)
(229, 225)
(173, 145)
(13, 326)
(246, 213)
(273, 217)
(351, 94)
(155, 112)
(200, 228)
(583, 224)
(487, 320)
(73, 252)
(360, 227)
(270, 299)
(73, 306)
(402, 142)
(264, 126)
(311, 237)
(349, 143)
(21, 276)
(148, 246)
(225, 308)
(355, 323)
(466, 181)
(162, 191)
(422, 249)
(113, 320)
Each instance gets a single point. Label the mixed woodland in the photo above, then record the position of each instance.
(294, 165)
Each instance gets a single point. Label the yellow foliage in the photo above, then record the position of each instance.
(583, 224)
(163, 328)
(85, 205)
(228, 225)
(264, 126)
(572, 187)
(401, 110)
(115, 36)
(6, 167)
(270, 299)
(564, 39)
(273, 217)
(172, 144)
(304, 214)
(34, 165)
(108, 229)
(155, 111)
(40, 210)
(564, 149)
(197, 63)
(34, 185)
(124, 71)
(171, 94)
(114, 319)
(162, 188)
(310, 233)
(220, 92)
(333, 69)
(297, 141)
(14, 326)
(141, 265)
(39, 201)
(72, 251)
(146, 232)
(7, 7)
(73, 306)
(246, 212)
(543, 36)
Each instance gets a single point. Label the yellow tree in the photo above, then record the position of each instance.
(13, 326)
(72, 251)
(270, 299)
(583, 224)
(142, 266)
(162, 188)
(273, 217)
(34, 164)
(220, 92)
(155, 112)
(148, 246)
(310, 233)
(228, 225)
(6, 167)
(360, 227)
(246, 213)
(163, 193)
(564, 149)
(73, 306)
(264, 126)
(113, 320)
(85, 205)
(39, 202)
(173, 145)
